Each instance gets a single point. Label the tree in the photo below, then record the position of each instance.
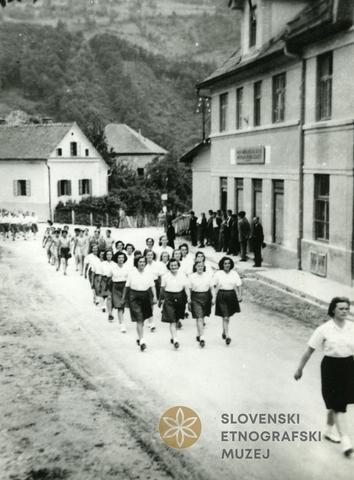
(4, 2)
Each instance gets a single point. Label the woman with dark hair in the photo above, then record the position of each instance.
(91, 263)
(200, 257)
(174, 293)
(177, 255)
(228, 294)
(64, 250)
(129, 250)
(201, 285)
(164, 259)
(98, 280)
(150, 242)
(137, 289)
(119, 278)
(163, 246)
(336, 339)
(106, 282)
(119, 247)
(186, 259)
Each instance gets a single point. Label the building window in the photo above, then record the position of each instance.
(257, 197)
(59, 152)
(239, 108)
(321, 208)
(73, 149)
(252, 24)
(239, 194)
(224, 98)
(87, 152)
(223, 193)
(257, 94)
(279, 87)
(22, 188)
(324, 86)
(85, 186)
(278, 211)
(64, 187)
(140, 172)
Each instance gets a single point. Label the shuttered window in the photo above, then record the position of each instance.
(22, 188)
(64, 187)
(85, 186)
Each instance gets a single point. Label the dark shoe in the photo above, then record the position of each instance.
(197, 338)
(143, 347)
(171, 341)
(152, 329)
(138, 342)
(110, 318)
(179, 324)
(103, 310)
(176, 345)
(223, 336)
(228, 341)
(202, 343)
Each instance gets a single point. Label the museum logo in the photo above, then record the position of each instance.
(180, 427)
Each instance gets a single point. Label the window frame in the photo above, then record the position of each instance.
(239, 108)
(223, 108)
(18, 184)
(60, 188)
(278, 97)
(74, 149)
(257, 103)
(83, 183)
(321, 200)
(252, 26)
(324, 89)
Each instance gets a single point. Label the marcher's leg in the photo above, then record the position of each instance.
(121, 320)
(330, 433)
(340, 421)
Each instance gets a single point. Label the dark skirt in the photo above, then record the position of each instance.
(65, 253)
(106, 287)
(140, 305)
(337, 378)
(226, 303)
(158, 287)
(173, 307)
(201, 304)
(34, 228)
(97, 284)
(117, 295)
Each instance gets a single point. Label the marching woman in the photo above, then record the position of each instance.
(174, 293)
(138, 290)
(98, 279)
(163, 246)
(228, 294)
(34, 225)
(186, 259)
(149, 245)
(54, 249)
(64, 250)
(129, 250)
(153, 268)
(164, 259)
(91, 263)
(200, 257)
(177, 255)
(84, 242)
(119, 248)
(106, 282)
(336, 339)
(121, 271)
(202, 297)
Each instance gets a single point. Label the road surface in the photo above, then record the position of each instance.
(254, 375)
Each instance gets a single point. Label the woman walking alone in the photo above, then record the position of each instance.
(336, 340)
(174, 293)
(228, 294)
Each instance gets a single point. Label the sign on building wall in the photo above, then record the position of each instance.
(250, 155)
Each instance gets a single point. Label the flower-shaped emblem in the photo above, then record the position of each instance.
(180, 427)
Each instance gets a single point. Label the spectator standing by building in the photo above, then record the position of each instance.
(244, 231)
(257, 241)
(234, 244)
(203, 225)
(210, 228)
(171, 233)
(193, 228)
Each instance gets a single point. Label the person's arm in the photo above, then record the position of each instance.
(162, 296)
(154, 296)
(188, 293)
(304, 359)
(238, 291)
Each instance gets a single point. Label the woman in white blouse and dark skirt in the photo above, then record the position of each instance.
(336, 339)
(228, 294)
(138, 290)
(202, 297)
(106, 282)
(173, 296)
(91, 262)
(121, 271)
(153, 267)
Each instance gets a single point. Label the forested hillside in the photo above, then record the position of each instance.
(102, 79)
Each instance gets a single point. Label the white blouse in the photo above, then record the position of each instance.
(333, 340)
(160, 250)
(107, 268)
(200, 282)
(154, 269)
(227, 281)
(140, 281)
(187, 265)
(174, 283)
(120, 274)
(92, 261)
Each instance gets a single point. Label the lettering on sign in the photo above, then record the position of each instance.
(251, 155)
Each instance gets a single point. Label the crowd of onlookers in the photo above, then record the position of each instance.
(17, 224)
(228, 232)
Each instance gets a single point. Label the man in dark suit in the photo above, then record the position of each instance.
(193, 229)
(244, 231)
(257, 239)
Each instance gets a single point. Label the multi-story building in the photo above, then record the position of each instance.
(282, 132)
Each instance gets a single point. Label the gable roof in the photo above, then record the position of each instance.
(123, 140)
(193, 152)
(320, 18)
(31, 141)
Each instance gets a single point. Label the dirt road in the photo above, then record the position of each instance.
(80, 401)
